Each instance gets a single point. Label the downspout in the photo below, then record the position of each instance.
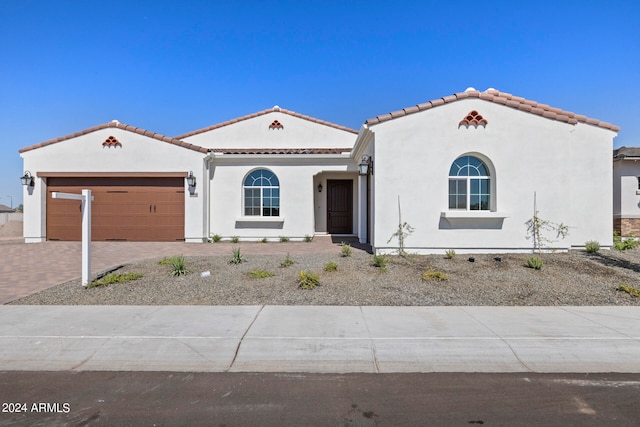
(208, 160)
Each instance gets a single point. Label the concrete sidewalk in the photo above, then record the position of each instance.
(320, 339)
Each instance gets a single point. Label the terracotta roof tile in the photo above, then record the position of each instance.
(503, 98)
(267, 111)
(118, 125)
(273, 151)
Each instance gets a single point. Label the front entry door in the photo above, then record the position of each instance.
(340, 206)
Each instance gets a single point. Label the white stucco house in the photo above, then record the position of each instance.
(626, 191)
(464, 167)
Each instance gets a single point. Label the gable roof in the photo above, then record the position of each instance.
(5, 208)
(626, 152)
(263, 112)
(118, 125)
(498, 97)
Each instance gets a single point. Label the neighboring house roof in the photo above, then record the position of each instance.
(498, 97)
(280, 150)
(626, 152)
(116, 124)
(4, 208)
(263, 112)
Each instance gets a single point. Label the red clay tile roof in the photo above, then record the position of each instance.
(115, 124)
(260, 113)
(280, 150)
(499, 98)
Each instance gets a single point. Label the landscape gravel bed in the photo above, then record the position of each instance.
(574, 278)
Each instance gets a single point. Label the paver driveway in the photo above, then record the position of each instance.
(29, 268)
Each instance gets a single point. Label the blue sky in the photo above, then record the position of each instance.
(173, 67)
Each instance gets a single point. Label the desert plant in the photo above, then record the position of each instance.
(450, 253)
(634, 292)
(260, 274)
(331, 266)
(178, 266)
(308, 238)
(434, 275)
(379, 261)
(345, 249)
(534, 262)
(237, 257)
(235, 239)
(165, 261)
(216, 238)
(592, 246)
(624, 244)
(284, 239)
(112, 278)
(536, 226)
(288, 262)
(404, 230)
(264, 240)
(308, 280)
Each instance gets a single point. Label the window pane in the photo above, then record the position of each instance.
(484, 187)
(475, 186)
(462, 202)
(474, 203)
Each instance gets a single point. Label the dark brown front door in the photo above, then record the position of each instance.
(134, 209)
(340, 206)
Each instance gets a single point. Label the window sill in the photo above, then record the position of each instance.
(472, 215)
(272, 219)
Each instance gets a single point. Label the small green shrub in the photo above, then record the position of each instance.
(624, 244)
(166, 261)
(235, 239)
(260, 274)
(112, 278)
(308, 238)
(345, 250)
(534, 262)
(216, 238)
(434, 275)
(592, 246)
(331, 266)
(284, 239)
(450, 253)
(308, 280)
(634, 292)
(237, 257)
(178, 266)
(288, 262)
(379, 261)
(264, 240)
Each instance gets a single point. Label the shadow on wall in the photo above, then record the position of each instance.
(471, 223)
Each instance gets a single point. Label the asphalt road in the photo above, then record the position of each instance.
(261, 399)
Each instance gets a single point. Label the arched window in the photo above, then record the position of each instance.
(469, 184)
(261, 194)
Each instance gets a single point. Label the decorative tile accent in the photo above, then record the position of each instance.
(276, 125)
(473, 119)
(112, 142)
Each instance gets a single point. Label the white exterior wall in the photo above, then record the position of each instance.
(85, 153)
(569, 167)
(255, 133)
(625, 188)
(302, 208)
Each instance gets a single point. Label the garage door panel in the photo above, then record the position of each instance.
(135, 209)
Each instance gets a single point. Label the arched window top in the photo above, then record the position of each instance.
(468, 166)
(261, 178)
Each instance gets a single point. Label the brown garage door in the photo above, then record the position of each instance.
(134, 209)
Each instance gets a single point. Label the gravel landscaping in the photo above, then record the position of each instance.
(574, 278)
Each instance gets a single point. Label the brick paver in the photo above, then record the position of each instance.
(29, 268)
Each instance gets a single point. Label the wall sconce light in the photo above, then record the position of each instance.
(191, 180)
(27, 179)
(366, 166)
(320, 188)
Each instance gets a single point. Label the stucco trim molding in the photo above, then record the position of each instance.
(112, 174)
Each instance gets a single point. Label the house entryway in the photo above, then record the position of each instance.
(339, 206)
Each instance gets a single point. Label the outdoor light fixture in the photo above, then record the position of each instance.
(27, 179)
(366, 166)
(191, 180)
(320, 188)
